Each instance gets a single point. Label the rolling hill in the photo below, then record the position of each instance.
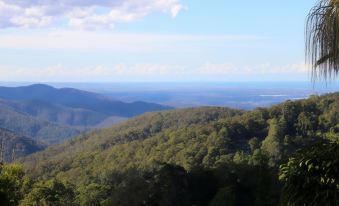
(189, 138)
(202, 156)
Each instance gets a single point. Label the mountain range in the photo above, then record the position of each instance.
(49, 115)
(78, 99)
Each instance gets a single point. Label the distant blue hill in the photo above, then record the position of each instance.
(34, 128)
(79, 99)
(44, 113)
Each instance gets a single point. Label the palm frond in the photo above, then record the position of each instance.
(322, 39)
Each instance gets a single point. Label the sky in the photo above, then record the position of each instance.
(153, 40)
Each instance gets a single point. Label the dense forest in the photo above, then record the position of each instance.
(34, 128)
(203, 156)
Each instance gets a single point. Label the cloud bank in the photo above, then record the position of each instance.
(119, 42)
(155, 72)
(83, 14)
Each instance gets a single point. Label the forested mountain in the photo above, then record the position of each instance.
(13, 146)
(52, 115)
(78, 99)
(202, 156)
(31, 127)
(138, 128)
(55, 113)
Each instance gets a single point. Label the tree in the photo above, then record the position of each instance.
(120, 187)
(52, 192)
(92, 194)
(322, 38)
(272, 145)
(311, 177)
(304, 125)
(169, 186)
(11, 182)
(254, 144)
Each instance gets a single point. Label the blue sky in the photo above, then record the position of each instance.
(153, 40)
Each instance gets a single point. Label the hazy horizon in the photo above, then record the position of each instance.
(240, 95)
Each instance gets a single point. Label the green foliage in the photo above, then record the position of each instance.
(173, 185)
(11, 184)
(92, 194)
(272, 144)
(204, 133)
(254, 143)
(232, 153)
(311, 176)
(31, 127)
(322, 42)
(14, 146)
(52, 192)
(243, 184)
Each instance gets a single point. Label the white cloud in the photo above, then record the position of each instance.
(261, 69)
(155, 72)
(119, 42)
(176, 9)
(85, 14)
(119, 72)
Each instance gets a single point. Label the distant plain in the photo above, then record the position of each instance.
(240, 95)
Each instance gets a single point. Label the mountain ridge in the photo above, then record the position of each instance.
(52, 115)
(75, 98)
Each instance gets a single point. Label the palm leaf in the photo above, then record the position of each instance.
(322, 39)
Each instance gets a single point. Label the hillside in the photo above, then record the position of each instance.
(238, 145)
(37, 129)
(55, 113)
(191, 137)
(14, 146)
(138, 128)
(78, 99)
